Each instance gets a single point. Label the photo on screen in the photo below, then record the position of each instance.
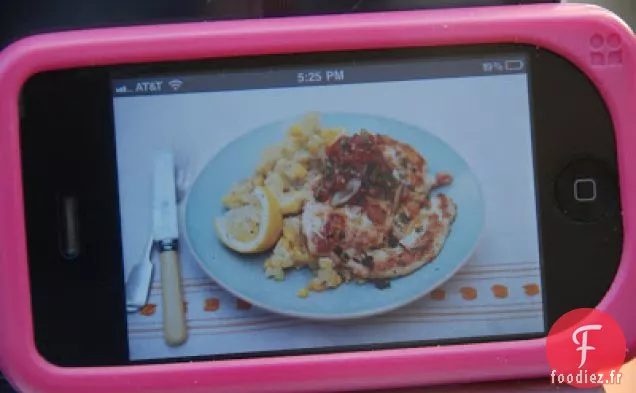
(335, 207)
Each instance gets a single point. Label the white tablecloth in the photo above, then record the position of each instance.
(449, 312)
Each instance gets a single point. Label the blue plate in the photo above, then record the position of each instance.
(243, 275)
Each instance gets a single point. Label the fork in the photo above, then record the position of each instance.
(184, 176)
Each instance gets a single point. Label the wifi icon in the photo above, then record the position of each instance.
(175, 84)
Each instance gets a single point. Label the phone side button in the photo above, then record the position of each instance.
(69, 227)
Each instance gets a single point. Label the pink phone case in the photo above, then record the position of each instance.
(592, 38)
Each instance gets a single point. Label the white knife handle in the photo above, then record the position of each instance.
(174, 323)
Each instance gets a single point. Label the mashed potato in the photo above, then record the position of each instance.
(288, 170)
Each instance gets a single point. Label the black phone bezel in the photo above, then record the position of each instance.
(68, 148)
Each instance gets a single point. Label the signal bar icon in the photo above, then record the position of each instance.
(175, 84)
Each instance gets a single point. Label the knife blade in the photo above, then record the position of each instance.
(166, 235)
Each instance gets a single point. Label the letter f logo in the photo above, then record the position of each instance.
(583, 343)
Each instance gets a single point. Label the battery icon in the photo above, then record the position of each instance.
(514, 65)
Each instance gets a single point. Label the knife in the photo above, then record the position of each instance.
(166, 236)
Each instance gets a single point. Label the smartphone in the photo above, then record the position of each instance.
(319, 203)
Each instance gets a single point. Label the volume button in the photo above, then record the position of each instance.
(69, 227)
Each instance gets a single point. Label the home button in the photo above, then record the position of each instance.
(586, 190)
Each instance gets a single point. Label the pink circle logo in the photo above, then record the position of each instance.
(586, 348)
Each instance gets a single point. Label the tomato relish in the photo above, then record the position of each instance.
(356, 158)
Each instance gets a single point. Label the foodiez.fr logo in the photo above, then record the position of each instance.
(586, 348)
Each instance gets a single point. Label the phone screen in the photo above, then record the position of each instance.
(353, 204)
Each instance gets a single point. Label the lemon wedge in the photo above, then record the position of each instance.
(251, 229)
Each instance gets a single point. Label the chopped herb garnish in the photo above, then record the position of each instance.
(393, 241)
(328, 169)
(345, 145)
(382, 283)
(366, 141)
(367, 261)
(403, 217)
